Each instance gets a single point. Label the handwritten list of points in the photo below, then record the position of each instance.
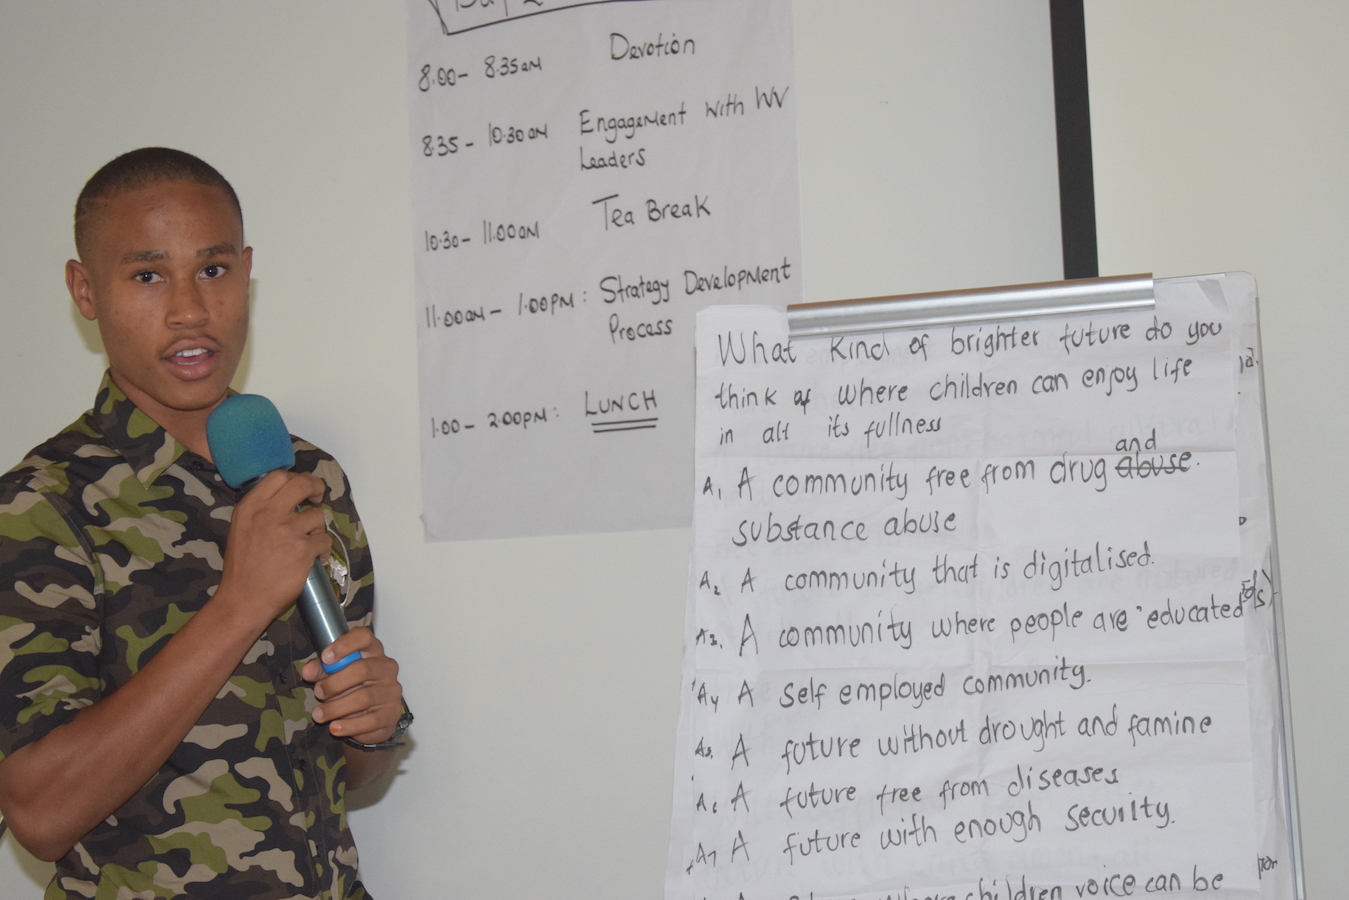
(583, 182)
(967, 617)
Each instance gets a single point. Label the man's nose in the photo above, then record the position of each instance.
(187, 305)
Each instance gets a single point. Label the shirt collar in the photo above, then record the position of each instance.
(140, 440)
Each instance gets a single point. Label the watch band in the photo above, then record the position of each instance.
(393, 741)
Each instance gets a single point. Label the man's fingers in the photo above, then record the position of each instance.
(270, 483)
(363, 700)
(299, 489)
(367, 729)
(383, 700)
(372, 666)
(365, 671)
(290, 487)
(311, 521)
(360, 639)
(312, 671)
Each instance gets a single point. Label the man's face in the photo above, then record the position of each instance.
(165, 274)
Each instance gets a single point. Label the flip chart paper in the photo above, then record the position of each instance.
(584, 178)
(1259, 589)
(966, 611)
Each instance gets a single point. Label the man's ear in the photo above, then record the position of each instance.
(81, 288)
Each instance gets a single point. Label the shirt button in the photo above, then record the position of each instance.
(300, 764)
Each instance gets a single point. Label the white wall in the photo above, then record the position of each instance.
(545, 671)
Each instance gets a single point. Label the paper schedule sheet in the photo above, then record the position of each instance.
(585, 177)
(966, 612)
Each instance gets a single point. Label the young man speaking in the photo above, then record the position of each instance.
(158, 691)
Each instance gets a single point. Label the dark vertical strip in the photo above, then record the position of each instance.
(1072, 112)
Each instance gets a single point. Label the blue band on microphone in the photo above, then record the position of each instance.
(341, 663)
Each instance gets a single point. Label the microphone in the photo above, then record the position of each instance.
(248, 439)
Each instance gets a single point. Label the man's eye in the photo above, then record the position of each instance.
(146, 277)
(213, 271)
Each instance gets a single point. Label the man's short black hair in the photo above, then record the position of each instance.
(139, 169)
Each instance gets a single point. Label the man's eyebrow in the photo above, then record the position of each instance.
(144, 256)
(225, 249)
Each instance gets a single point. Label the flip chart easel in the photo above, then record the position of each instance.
(968, 612)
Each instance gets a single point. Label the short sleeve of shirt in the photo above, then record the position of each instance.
(49, 617)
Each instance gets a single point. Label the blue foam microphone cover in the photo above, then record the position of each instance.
(248, 439)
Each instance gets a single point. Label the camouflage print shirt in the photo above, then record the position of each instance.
(112, 536)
